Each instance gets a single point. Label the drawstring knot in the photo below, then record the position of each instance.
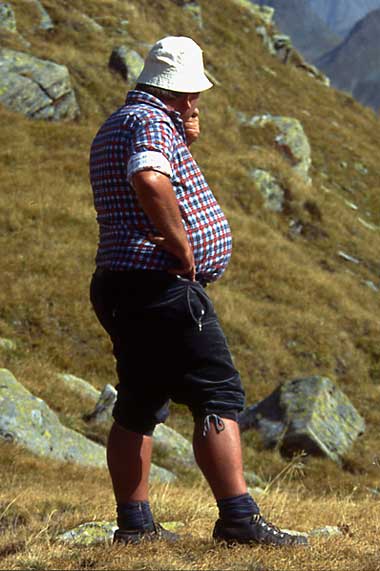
(218, 422)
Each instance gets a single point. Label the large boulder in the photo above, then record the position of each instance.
(127, 62)
(7, 17)
(290, 139)
(168, 444)
(28, 421)
(79, 386)
(39, 89)
(308, 414)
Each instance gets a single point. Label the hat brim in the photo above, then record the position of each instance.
(176, 82)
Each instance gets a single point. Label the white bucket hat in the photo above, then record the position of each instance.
(175, 63)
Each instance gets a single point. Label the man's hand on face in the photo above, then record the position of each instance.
(192, 128)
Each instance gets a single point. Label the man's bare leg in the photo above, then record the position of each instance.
(219, 456)
(129, 458)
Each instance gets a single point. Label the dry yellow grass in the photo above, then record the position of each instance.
(290, 305)
(47, 498)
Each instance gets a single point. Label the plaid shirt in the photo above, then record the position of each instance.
(145, 134)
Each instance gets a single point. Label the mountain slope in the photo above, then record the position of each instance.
(301, 296)
(309, 33)
(341, 15)
(355, 64)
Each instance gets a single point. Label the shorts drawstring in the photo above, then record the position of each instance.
(218, 422)
(199, 320)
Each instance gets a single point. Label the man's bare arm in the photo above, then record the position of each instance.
(157, 198)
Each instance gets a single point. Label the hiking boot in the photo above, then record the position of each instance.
(137, 535)
(254, 529)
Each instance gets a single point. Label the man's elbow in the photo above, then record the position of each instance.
(149, 180)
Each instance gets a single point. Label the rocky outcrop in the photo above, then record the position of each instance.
(7, 17)
(293, 144)
(309, 414)
(290, 140)
(313, 38)
(38, 88)
(263, 13)
(28, 421)
(127, 62)
(269, 188)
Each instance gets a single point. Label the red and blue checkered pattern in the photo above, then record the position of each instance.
(143, 124)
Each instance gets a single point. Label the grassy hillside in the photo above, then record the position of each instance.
(290, 304)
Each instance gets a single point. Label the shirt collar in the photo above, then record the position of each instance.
(137, 97)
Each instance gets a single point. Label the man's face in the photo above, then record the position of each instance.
(190, 104)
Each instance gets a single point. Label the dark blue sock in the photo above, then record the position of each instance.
(134, 515)
(237, 507)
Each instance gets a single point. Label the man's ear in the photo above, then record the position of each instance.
(187, 101)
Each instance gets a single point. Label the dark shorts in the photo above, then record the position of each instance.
(168, 345)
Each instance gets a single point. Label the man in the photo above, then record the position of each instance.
(163, 237)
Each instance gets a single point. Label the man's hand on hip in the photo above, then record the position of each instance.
(187, 268)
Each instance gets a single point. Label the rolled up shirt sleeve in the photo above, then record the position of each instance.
(151, 148)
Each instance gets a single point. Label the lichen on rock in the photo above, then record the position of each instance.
(39, 89)
(7, 17)
(127, 62)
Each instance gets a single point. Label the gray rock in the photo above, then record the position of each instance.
(193, 8)
(263, 13)
(79, 386)
(266, 38)
(7, 344)
(103, 409)
(326, 531)
(28, 421)
(348, 258)
(168, 443)
(7, 17)
(46, 23)
(99, 532)
(174, 446)
(90, 533)
(359, 167)
(309, 414)
(371, 285)
(38, 88)
(291, 140)
(89, 22)
(269, 188)
(127, 62)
